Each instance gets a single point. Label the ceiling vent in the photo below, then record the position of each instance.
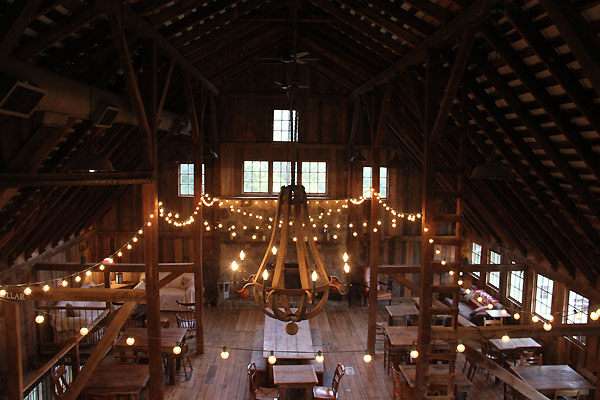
(18, 98)
(105, 115)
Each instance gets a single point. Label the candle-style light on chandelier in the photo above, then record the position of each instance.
(271, 293)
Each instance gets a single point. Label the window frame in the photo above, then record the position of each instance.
(510, 286)
(367, 193)
(583, 312)
(301, 177)
(538, 297)
(476, 274)
(495, 273)
(272, 174)
(293, 119)
(179, 184)
(269, 178)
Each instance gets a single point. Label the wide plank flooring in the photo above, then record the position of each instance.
(344, 340)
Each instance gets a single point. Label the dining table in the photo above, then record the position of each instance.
(118, 379)
(294, 377)
(405, 312)
(547, 379)
(461, 382)
(169, 337)
(285, 346)
(510, 349)
(401, 337)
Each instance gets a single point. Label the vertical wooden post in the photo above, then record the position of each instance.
(373, 253)
(14, 358)
(198, 226)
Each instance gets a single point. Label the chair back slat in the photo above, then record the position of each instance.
(340, 371)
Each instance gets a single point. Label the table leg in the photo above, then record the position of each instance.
(282, 393)
(390, 320)
(171, 368)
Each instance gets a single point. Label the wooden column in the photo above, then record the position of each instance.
(14, 358)
(373, 253)
(198, 226)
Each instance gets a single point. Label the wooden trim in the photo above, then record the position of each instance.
(124, 267)
(88, 294)
(76, 179)
(514, 331)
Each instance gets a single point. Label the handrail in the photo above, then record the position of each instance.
(61, 353)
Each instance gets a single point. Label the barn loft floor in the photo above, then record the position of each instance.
(342, 330)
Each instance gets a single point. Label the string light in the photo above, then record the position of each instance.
(224, 353)
(84, 331)
(130, 341)
(27, 291)
(46, 288)
(367, 357)
(460, 347)
(535, 318)
(517, 316)
(272, 359)
(2, 292)
(78, 278)
(88, 273)
(176, 349)
(319, 358)
(414, 353)
(64, 283)
(547, 326)
(39, 319)
(594, 315)
(505, 338)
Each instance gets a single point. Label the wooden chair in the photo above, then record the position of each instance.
(530, 359)
(261, 393)
(323, 392)
(186, 318)
(401, 389)
(470, 368)
(59, 382)
(391, 356)
(492, 322)
(381, 294)
(380, 331)
(566, 395)
(181, 359)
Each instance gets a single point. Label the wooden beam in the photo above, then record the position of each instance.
(140, 25)
(86, 294)
(13, 34)
(402, 280)
(514, 331)
(373, 255)
(102, 347)
(576, 32)
(169, 278)
(469, 17)
(13, 353)
(76, 179)
(451, 266)
(117, 267)
(460, 63)
(385, 108)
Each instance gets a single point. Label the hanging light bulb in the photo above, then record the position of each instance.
(460, 347)
(130, 341)
(27, 291)
(64, 283)
(414, 353)
(468, 291)
(39, 319)
(242, 255)
(547, 326)
(88, 273)
(129, 246)
(431, 241)
(594, 315)
(535, 318)
(479, 299)
(319, 358)
(272, 359)
(551, 318)
(451, 273)
(437, 251)
(78, 278)
(224, 353)
(460, 282)
(505, 338)
(490, 306)
(176, 349)
(46, 288)
(101, 267)
(516, 316)
(503, 311)
(367, 357)
(84, 331)
(2, 292)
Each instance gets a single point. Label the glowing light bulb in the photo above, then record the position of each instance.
(129, 246)
(367, 357)
(460, 347)
(490, 306)
(84, 331)
(88, 273)
(594, 315)
(234, 266)
(39, 319)
(294, 239)
(319, 358)
(535, 318)
(78, 278)
(364, 224)
(274, 250)
(141, 232)
(354, 234)
(149, 223)
(27, 291)
(46, 288)
(443, 262)
(64, 283)
(176, 349)
(224, 353)
(120, 254)
(426, 229)
(503, 312)
(130, 341)
(346, 268)
(265, 275)
(547, 326)
(551, 318)
(414, 353)
(335, 237)
(467, 291)
(479, 299)
(272, 359)
(451, 273)
(517, 316)
(437, 251)
(242, 255)
(101, 267)
(315, 238)
(2, 292)
(505, 338)
(460, 282)
(345, 257)
(314, 276)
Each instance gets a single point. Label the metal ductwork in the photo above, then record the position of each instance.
(69, 97)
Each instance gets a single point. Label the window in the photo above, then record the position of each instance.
(314, 177)
(256, 176)
(577, 311)
(282, 175)
(476, 256)
(186, 180)
(543, 296)
(515, 286)
(282, 125)
(493, 278)
(368, 182)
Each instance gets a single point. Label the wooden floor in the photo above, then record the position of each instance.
(344, 340)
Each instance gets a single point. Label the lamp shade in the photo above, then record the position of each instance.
(492, 169)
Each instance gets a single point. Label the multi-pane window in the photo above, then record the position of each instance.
(256, 176)
(577, 311)
(543, 296)
(314, 176)
(368, 181)
(282, 125)
(476, 256)
(493, 278)
(282, 175)
(186, 180)
(515, 286)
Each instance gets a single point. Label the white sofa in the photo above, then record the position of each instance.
(181, 288)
